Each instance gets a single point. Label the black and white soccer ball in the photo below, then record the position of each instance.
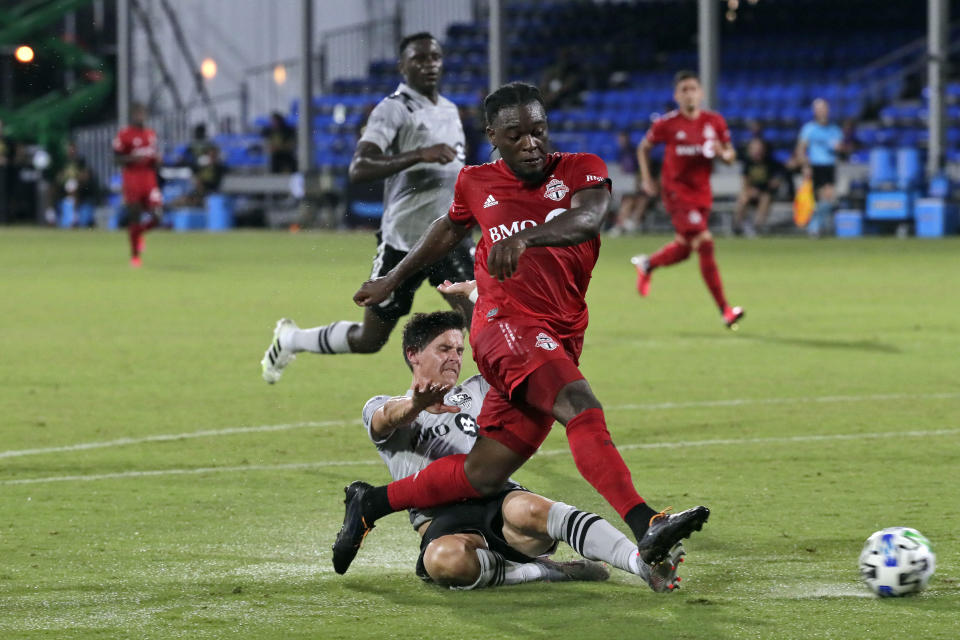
(897, 561)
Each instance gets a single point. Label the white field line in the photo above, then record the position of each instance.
(208, 433)
(660, 406)
(549, 452)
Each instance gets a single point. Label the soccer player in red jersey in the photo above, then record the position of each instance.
(693, 138)
(135, 147)
(540, 215)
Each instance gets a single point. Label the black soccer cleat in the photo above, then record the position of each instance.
(667, 530)
(354, 528)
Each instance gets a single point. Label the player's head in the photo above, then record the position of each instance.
(421, 62)
(138, 114)
(687, 91)
(517, 128)
(433, 345)
(821, 110)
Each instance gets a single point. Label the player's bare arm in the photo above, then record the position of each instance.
(727, 153)
(442, 236)
(580, 223)
(464, 289)
(643, 159)
(369, 163)
(401, 411)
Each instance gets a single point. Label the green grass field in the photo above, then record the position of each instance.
(153, 486)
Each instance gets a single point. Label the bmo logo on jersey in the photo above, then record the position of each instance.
(708, 149)
(502, 231)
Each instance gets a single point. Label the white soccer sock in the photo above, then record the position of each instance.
(593, 537)
(331, 338)
(495, 570)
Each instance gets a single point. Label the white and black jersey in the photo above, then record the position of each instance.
(431, 436)
(418, 195)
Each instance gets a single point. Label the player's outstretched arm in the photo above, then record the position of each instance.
(370, 163)
(403, 410)
(442, 236)
(581, 222)
(466, 289)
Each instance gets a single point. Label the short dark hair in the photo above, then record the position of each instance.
(423, 328)
(514, 94)
(682, 75)
(413, 37)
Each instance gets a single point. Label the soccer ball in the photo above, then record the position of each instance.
(897, 561)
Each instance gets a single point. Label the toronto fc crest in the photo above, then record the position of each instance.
(545, 342)
(556, 190)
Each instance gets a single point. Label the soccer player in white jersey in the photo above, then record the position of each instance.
(414, 141)
(503, 538)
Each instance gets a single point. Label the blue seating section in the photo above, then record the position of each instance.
(775, 59)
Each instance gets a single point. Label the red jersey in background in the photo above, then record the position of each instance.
(139, 176)
(691, 146)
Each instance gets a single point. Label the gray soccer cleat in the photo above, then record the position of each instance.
(579, 570)
(276, 357)
(662, 577)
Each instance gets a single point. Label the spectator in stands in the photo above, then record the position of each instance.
(6, 165)
(281, 144)
(633, 204)
(816, 152)
(562, 81)
(198, 145)
(207, 173)
(762, 176)
(850, 144)
(75, 180)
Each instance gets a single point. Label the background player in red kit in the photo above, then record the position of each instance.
(540, 216)
(135, 147)
(693, 138)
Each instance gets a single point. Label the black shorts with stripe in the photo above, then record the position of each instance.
(483, 516)
(457, 266)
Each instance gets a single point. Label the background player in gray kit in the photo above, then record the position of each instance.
(500, 539)
(414, 140)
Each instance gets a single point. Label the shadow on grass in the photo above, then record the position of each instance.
(551, 610)
(871, 346)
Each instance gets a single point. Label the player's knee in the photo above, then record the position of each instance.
(366, 346)
(364, 342)
(703, 243)
(451, 561)
(574, 399)
(526, 512)
(484, 479)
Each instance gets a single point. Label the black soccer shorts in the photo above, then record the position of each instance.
(457, 266)
(482, 516)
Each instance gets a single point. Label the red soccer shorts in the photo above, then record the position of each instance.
(689, 219)
(507, 351)
(142, 191)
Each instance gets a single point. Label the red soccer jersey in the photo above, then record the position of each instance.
(140, 143)
(691, 146)
(550, 282)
